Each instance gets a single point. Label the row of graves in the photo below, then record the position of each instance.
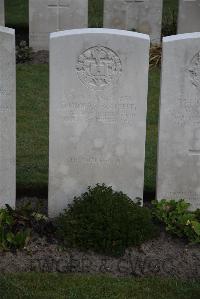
(144, 16)
(98, 108)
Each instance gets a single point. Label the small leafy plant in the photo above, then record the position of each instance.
(105, 221)
(23, 52)
(17, 226)
(178, 219)
(13, 232)
(37, 222)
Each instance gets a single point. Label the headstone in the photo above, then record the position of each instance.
(7, 117)
(2, 13)
(98, 102)
(189, 16)
(143, 16)
(179, 136)
(46, 16)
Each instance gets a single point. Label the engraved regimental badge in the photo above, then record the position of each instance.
(98, 67)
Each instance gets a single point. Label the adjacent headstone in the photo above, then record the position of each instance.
(98, 102)
(189, 16)
(2, 13)
(7, 117)
(179, 136)
(143, 16)
(46, 16)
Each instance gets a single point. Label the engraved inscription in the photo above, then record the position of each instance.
(112, 113)
(98, 67)
(186, 110)
(194, 71)
(94, 161)
(103, 110)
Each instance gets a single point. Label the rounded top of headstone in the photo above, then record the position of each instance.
(7, 30)
(99, 31)
(179, 37)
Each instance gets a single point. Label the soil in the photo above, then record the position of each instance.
(40, 57)
(164, 257)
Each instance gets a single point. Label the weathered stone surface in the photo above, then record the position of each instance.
(179, 140)
(98, 99)
(189, 16)
(7, 117)
(143, 16)
(48, 16)
(2, 13)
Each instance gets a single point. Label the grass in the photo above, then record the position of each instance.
(16, 13)
(169, 6)
(32, 129)
(95, 13)
(152, 133)
(60, 286)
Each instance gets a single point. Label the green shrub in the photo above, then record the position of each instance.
(23, 52)
(105, 221)
(178, 219)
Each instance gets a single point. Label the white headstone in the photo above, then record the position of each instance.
(7, 117)
(2, 13)
(189, 16)
(98, 102)
(46, 16)
(179, 136)
(143, 16)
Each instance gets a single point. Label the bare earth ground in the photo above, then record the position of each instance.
(40, 57)
(165, 257)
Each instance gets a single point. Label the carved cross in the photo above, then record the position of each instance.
(98, 67)
(58, 5)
